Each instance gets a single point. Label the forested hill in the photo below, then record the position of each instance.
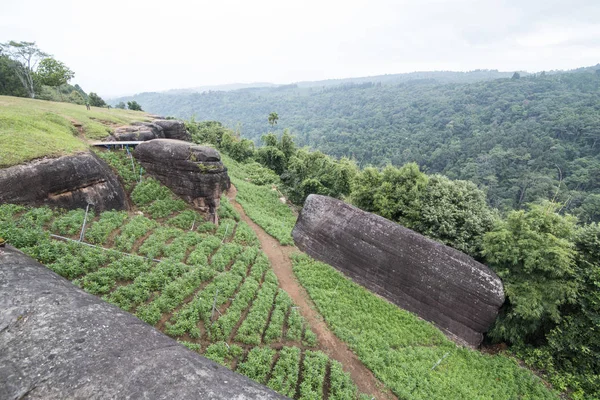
(523, 138)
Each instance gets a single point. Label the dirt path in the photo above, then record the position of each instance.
(279, 256)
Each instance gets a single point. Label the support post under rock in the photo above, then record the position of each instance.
(440, 284)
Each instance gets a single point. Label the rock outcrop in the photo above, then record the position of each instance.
(194, 172)
(59, 342)
(436, 282)
(157, 129)
(138, 131)
(69, 182)
(173, 129)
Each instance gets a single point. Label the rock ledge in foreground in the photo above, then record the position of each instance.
(58, 342)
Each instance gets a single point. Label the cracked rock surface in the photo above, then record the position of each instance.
(58, 342)
(440, 284)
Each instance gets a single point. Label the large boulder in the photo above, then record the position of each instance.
(69, 182)
(440, 284)
(138, 131)
(59, 342)
(157, 129)
(173, 129)
(194, 172)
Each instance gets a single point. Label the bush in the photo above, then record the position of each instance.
(532, 251)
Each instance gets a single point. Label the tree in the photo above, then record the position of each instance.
(455, 212)
(120, 105)
(25, 56)
(133, 105)
(534, 255)
(95, 100)
(54, 73)
(516, 75)
(10, 84)
(269, 140)
(273, 118)
(286, 144)
(273, 158)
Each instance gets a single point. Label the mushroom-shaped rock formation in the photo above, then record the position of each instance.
(194, 172)
(138, 131)
(157, 129)
(68, 182)
(173, 129)
(436, 282)
(59, 342)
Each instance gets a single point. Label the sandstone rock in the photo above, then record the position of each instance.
(194, 172)
(157, 129)
(68, 182)
(138, 131)
(59, 342)
(436, 282)
(174, 129)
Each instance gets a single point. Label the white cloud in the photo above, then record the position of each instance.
(130, 46)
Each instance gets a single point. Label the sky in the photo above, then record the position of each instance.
(130, 46)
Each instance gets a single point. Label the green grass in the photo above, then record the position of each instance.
(403, 350)
(31, 129)
(261, 203)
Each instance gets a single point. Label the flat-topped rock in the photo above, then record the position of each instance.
(69, 182)
(193, 172)
(157, 129)
(138, 131)
(59, 342)
(440, 284)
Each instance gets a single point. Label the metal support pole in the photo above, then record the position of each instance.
(214, 304)
(82, 233)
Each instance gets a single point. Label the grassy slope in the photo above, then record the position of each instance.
(261, 203)
(31, 129)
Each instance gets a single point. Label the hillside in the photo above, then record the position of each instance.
(175, 267)
(31, 129)
(522, 140)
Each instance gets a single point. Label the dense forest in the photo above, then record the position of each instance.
(523, 139)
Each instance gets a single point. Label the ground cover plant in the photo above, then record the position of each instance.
(403, 351)
(209, 287)
(261, 201)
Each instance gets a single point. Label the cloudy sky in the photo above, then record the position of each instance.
(125, 47)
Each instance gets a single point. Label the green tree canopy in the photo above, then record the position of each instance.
(273, 118)
(52, 72)
(133, 105)
(25, 57)
(533, 252)
(95, 100)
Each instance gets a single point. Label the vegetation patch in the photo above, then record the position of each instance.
(409, 355)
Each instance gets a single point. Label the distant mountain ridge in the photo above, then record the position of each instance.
(438, 76)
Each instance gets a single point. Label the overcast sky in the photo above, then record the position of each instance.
(125, 47)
